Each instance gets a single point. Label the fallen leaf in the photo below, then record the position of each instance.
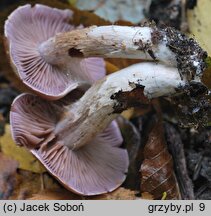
(147, 196)
(38, 186)
(129, 113)
(157, 172)
(123, 63)
(119, 194)
(176, 147)
(27, 184)
(199, 21)
(8, 169)
(72, 2)
(25, 159)
(61, 194)
(110, 68)
(206, 79)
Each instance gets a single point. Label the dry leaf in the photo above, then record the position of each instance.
(129, 113)
(206, 79)
(29, 183)
(61, 194)
(25, 159)
(119, 194)
(147, 196)
(176, 147)
(123, 63)
(8, 168)
(199, 21)
(110, 68)
(157, 168)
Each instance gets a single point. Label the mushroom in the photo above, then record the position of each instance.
(50, 59)
(168, 46)
(69, 136)
(82, 70)
(98, 167)
(27, 28)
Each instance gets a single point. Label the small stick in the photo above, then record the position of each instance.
(177, 151)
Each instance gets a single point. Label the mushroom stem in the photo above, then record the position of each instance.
(166, 45)
(111, 95)
(109, 41)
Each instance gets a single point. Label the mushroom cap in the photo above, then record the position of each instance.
(25, 29)
(98, 167)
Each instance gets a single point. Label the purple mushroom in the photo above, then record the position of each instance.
(26, 28)
(98, 166)
(69, 136)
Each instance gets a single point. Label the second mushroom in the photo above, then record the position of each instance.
(70, 137)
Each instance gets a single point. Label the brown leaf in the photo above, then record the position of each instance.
(206, 79)
(34, 186)
(147, 196)
(7, 176)
(119, 194)
(176, 146)
(199, 22)
(29, 184)
(157, 168)
(62, 194)
(122, 63)
(110, 68)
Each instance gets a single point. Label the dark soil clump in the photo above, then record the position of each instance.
(190, 56)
